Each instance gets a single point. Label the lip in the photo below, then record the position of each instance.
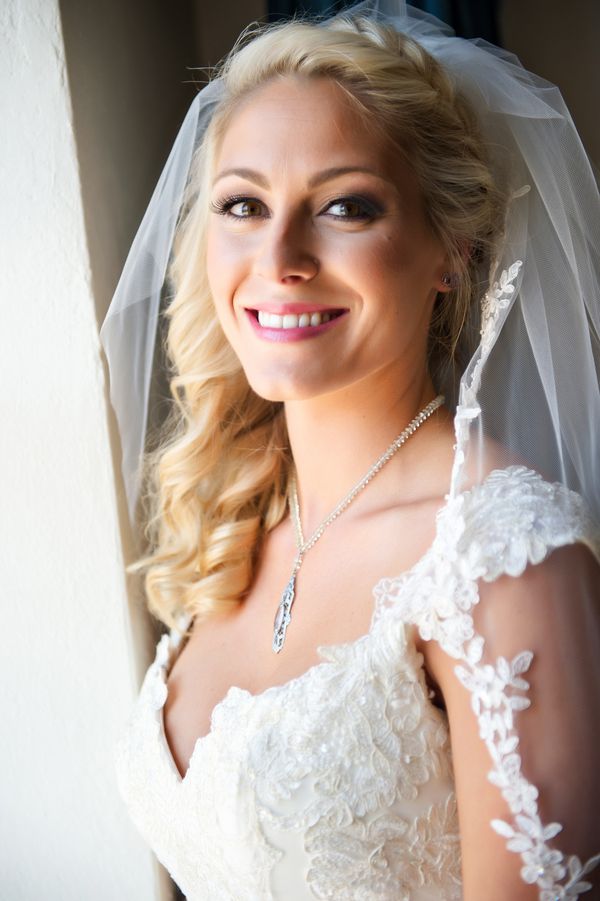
(292, 334)
(297, 307)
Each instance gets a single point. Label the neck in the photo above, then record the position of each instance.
(335, 440)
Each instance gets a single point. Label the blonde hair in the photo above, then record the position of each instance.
(218, 484)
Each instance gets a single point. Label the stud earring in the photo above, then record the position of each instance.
(451, 280)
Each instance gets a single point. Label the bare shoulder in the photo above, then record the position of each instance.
(429, 460)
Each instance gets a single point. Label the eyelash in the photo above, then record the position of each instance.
(223, 207)
(369, 208)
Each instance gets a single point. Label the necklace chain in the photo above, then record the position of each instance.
(303, 546)
(283, 617)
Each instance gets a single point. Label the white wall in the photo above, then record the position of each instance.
(65, 659)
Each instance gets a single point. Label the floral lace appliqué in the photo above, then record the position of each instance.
(474, 542)
(389, 857)
(353, 747)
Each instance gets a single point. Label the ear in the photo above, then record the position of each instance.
(450, 277)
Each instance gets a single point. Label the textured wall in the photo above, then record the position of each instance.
(65, 660)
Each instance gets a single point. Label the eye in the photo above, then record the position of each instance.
(352, 209)
(246, 209)
(347, 209)
(240, 208)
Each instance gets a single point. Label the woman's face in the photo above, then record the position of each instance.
(321, 262)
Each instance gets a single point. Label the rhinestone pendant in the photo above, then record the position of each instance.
(283, 616)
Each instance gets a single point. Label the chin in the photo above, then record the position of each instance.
(276, 392)
(282, 388)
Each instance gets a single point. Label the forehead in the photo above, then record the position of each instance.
(304, 124)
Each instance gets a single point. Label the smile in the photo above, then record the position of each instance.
(291, 320)
(288, 326)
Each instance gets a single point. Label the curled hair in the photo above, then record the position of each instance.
(219, 482)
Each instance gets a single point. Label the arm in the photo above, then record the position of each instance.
(553, 610)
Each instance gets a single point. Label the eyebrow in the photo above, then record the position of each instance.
(316, 181)
(248, 174)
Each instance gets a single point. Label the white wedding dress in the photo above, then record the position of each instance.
(338, 785)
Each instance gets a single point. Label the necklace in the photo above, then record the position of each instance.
(283, 616)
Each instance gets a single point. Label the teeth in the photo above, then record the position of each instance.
(290, 320)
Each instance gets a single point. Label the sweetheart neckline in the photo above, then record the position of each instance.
(449, 501)
(275, 689)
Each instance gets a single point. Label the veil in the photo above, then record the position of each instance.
(529, 393)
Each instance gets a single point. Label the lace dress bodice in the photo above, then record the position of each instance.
(338, 784)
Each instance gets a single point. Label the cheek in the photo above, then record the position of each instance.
(406, 265)
(216, 272)
(369, 263)
(222, 280)
(389, 252)
(227, 262)
(389, 267)
(398, 274)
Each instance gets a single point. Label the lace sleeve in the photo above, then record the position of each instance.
(544, 758)
(511, 564)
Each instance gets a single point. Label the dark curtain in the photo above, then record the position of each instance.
(468, 18)
(284, 9)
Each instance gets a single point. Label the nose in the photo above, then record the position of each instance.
(286, 256)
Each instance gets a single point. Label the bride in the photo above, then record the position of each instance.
(383, 675)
